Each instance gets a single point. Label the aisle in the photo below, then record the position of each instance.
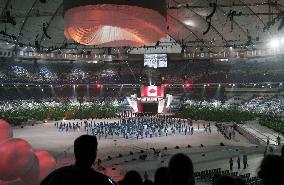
(262, 133)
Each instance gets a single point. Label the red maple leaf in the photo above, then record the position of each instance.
(152, 91)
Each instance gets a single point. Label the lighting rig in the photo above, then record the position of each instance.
(267, 85)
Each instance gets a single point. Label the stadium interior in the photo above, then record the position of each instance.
(154, 81)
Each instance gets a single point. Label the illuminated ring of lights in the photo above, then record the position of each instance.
(109, 25)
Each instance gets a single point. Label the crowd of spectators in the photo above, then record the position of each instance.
(180, 170)
(260, 104)
(177, 72)
(267, 105)
(20, 105)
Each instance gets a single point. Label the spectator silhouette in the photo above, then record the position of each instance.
(239, 162)
(162, 176)
(132, 178)
(271, 170)
(85, 150)
(245, 161)
(282, 152)
(239, 181)
(225, 180)
(181, 170)
(231, 163)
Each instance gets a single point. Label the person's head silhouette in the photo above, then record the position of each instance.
(271, 170)
(162, 176)
(132, 178)
(181, 170)
(85, 150)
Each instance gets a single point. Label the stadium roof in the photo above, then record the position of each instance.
(206, 24)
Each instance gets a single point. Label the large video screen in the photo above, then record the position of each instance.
(156, 60)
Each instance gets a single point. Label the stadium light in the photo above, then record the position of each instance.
(187, 85)
(274, 43)
(189, 23)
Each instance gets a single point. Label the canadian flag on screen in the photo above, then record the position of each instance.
(152, 91)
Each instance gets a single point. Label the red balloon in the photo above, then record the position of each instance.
(32, 175)
(5, 130)
(46, 163)
(16, 158)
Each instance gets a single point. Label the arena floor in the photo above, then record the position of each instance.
(212, 155)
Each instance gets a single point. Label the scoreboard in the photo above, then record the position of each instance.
(156, 60)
